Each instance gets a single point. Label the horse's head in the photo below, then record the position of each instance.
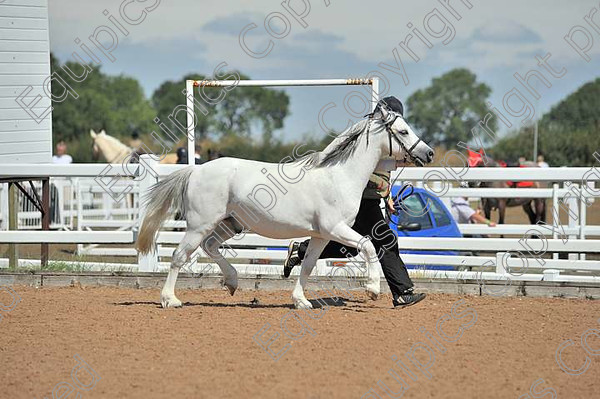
(481, 162)
(402, 143)
(111, 149)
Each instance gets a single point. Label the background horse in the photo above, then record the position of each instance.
(535, 208)
(317, 195)
(114, 151)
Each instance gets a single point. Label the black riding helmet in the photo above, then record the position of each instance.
(392, 103)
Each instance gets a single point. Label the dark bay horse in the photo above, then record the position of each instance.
(535, 208)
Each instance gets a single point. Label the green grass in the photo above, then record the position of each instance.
(78, 264)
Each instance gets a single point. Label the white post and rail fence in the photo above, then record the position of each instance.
(499, 264)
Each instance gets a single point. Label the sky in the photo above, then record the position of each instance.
(340, 39)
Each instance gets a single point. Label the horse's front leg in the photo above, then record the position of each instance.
(501, 211)
(487, 208)
(344, 234)
(315, 247)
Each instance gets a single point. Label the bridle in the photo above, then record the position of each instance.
(408, 152)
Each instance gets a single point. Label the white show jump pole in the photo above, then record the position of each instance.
(190, 85)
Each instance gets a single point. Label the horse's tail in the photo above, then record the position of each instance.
(167, 194)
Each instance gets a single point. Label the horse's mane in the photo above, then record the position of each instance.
(114, 140)
(340, 149)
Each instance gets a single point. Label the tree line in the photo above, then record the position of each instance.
(244, 122)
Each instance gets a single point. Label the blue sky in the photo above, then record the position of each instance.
(346, 39)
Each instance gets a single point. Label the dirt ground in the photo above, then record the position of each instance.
(206, 349)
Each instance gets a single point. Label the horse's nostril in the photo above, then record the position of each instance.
(430, 154)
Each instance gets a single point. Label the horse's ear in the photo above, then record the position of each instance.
(102, 132)
(92, 133)
(381, 113)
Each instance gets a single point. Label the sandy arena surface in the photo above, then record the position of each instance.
(206, 349)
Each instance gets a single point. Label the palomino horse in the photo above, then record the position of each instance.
(113, 151)
(320, 199)
(536, 213)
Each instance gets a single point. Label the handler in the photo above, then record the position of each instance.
(370, 221)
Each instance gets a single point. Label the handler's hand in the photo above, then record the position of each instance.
(390, 205)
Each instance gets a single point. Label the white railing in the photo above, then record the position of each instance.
(579, 242)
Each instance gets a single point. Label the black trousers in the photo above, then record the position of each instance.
(370, 222)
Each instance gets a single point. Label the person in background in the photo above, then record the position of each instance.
(197, 157)
(213, 154)
(463, 213)
(182, 155)
(135, 141)
(541, 163)
(61, 155)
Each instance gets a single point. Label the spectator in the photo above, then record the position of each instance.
(135, 141)
(61, 155)
(197, 157)
(541, 163)
(522, 160)
(182, 155)
(463, 213)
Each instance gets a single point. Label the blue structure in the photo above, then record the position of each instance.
(432, 217)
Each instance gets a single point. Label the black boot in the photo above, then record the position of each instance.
(292, 259)
(407, 298)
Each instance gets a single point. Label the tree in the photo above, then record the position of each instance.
(242, 111)
(568, 134)
(447, 110)
(169, 95)
(578, 110)
(114, 103)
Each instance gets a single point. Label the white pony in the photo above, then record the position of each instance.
(113, 151)
(317, 195)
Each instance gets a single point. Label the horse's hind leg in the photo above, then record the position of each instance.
(191, 241)
(529, 211)
(223, 232)
(540, 210)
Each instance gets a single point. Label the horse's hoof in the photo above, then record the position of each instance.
(231, 285)
(302, 304)
(373, 290)
(170, 302)
(231, 289)
(372, 295)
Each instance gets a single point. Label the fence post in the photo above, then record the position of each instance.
(573, 205)
(13, 224)
(582, 217)
(148, 262)
(45, 218)
(375, 92)
(4, 205)
(500, 269)
(79, 196)
(555, 214)
(191, 133)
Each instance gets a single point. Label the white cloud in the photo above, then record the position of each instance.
(350, 37)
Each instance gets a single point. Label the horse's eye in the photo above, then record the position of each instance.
(403, 131)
